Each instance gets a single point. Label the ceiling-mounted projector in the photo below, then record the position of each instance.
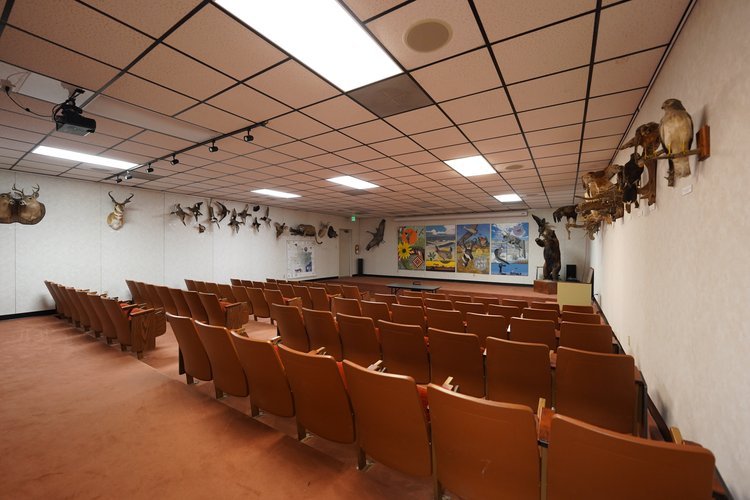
(69, 117)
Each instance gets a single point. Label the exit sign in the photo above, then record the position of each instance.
(354, 218)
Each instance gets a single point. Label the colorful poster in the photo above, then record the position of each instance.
(473, 248)
(510, 249)
(411, 242)
(441, 248)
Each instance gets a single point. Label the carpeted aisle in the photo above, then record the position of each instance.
(80, 419)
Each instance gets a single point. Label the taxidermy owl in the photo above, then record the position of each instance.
(676, 133)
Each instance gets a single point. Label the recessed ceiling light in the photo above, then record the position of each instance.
(277, 194)
(321, 34)
(508, 198)
(352, 182)
(470, 166)
(66, 154)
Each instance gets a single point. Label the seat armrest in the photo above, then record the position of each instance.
(141, 312)
(234, 304)
(275, 340)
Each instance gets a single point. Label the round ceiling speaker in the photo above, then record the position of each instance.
(428, 35)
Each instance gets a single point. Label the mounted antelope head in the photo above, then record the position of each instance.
(116, 218)
(27, 208)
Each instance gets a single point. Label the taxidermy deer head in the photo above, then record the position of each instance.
(116, 218)
(17, 206)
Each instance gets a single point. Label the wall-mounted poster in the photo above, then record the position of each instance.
(441, 248)
(473, 248)
(300, 259)
(510, 249)
(411, 242)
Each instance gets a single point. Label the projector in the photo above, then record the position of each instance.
(69, 117)
(74, 123)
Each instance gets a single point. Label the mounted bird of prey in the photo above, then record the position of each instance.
(222, 212)
(233, 222)
(243, 215)
(180, 212)
(266, 218)
(676, 133)
(255, 225)
(196, 210)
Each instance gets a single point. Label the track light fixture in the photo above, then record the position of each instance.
(128, 175)
(150, 168)
(248, 137)
(118, 180)
(213, 147)
(174, 160)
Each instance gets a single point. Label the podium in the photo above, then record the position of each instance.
(548, 287)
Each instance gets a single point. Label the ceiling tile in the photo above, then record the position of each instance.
(511, 156)
(360, 153)
(448, 79)
(415, 158)
(564, 148)
(609, 142)
(556, 89)
(298, 126)
(365, 9)
(457, 151)
(419, 120)
(625, 73)
(506, 143)
(328, 160)
(155, 18)
(554, 135)
(147, 95)
(478, 106)
(293, 84)
(604, 155)
(624, 103)
(142, 149)
(610, 126)
(299, 149)
(618, 23)
(373, 131)
(332, 141)
(213, 118)
(560, 47)
(114, 128)
(270, 156)
(267, 138)
(504, 18)
(398, 146)
(223, 43)
(392, 30)
(553, 116)
(494, 127)
(339, 112)
(437, 138)
(249, 103)
(26, 121)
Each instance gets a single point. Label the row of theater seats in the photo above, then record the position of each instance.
(472, 447)
(134, 325)
(598, 388)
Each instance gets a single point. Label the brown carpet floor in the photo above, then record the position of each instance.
(80, 419)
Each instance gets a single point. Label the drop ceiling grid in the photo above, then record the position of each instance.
(436, 140)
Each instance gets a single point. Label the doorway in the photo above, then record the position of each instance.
(345, 245)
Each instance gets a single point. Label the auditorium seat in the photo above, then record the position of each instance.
(108, 328)
(409, 315)
(334, 289)
(276, 297)
(507, 311)
(451, 321)
(135, 293)
(535, 331)
(486, 325)
(214, 288)
(431, 303)
(550, 306)
(320, 298)
(183, 309)
(323, 331)
(226, 293)
(352, 292)
(287, 290)
(518, 372)
(197, 310)
(229, 377)
(190, 284)
(231, 316)
(469, 307)
(195, 361)
(586, 337)
(390, 418)
(201, 286)
(291, 327)
(408, 300)
(483, 449)
(93, 320)
(523, 304)
(134, 326)
(578, 309)
(457, 355)
(303, 293)
(345, 306)
(375, 310)
(166, 299)
(459, 298)
(388, 298)
(574, 317)
(359, 341)
(487, 300)
(241, 295)
(404, 350)
(545, 314)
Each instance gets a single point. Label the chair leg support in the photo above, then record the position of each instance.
(301, 432)
(361, 459)
(219, 393)
(254, 410)
(139, 354)
(180, 362)
(123, 347)
(109, 341)
(189, 379)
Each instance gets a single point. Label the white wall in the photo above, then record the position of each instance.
(74, 245)
(382, 260)
(675, 283)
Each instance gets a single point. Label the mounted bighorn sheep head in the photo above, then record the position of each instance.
(17, 206)
(116, 218)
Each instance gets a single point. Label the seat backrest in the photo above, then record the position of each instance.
(459, 298)
(408, 300)
(213, 288)
(469, 307)
(320, 399)
(273, 297)
(227, 293)
(596, 388)
(545, 314)
(287, 290)
(451, 320)
(412, 293)
(201, 286)
(190, 284)
(166, 299)
(654, 469)
(486, 325)
(119, 319)
(319, 297)
(183, 309)
(260, 306)
(291, 327)
(359, 342)
(153, 293)
(211, 304)
(573, 317)
(435, 296)
(323, 332)
(241, 295)
(487, 300)
(551, 306)
(93, 319)
(507, 311)
(409, 315)
(83, 315)
(346, 306)
(235, 281)
(518, 372)
(390, 417)
(404, 350)
(578, 309)
(247, 283)
(483, 447)
(228, 374)
(388, 298)
(586, 337)
(197, 311)
(303, 293)
(108, 328)
(75, 307)
(375, 310)
(334, 288)
(135, 293)
(457, 355)
(269, 387)
(258, 284)
(523, 304)
(194, 356)
(351, 292)
(445, 305)
(534, 331)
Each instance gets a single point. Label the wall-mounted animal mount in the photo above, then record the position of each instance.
(196, 210)
(234, 224)
(279, 229)
(630, 178)
(377, 236)
(332, 232)
(116, 218)
(322, 229)
(255, 225)
(548, 240)
(211, 216)
(676, 133)
(181, 213)
(305, 230)
(243, 215)
(568, 211)
(222, 212)
(17, 206)
(267, 219)
(646, 138)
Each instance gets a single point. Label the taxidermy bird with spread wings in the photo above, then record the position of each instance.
(676, 133)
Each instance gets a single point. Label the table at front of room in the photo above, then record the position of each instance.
(395, 287)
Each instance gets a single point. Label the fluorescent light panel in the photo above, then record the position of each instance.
(66, 154)
(471, 166)
(277, 194)
(508, 198)
(321, 34)
(353, 182)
